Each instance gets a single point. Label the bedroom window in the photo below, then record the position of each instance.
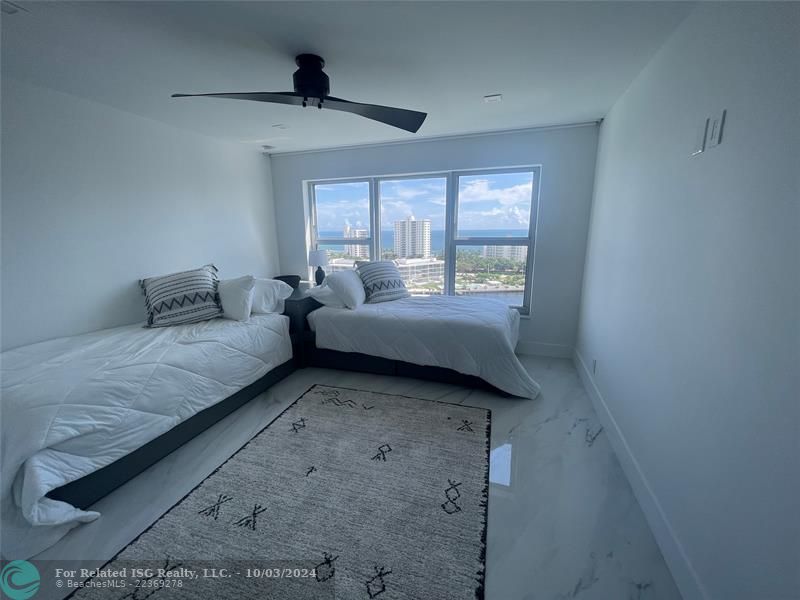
(412, 218)
(343, 221)
(457, 232)
(494, 214)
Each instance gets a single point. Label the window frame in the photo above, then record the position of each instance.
(317, 241)
(419, 176)
(451, 239)
(529, 241)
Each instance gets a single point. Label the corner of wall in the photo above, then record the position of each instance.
(671, 548)
(271, 200)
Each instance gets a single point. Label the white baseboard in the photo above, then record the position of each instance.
(675, 556)
(544, 349)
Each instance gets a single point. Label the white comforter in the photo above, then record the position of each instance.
(73, 405)
(474, 336)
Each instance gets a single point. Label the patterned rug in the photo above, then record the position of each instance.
(348, 494)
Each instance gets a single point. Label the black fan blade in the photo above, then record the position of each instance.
(410, 120)
(275, 97)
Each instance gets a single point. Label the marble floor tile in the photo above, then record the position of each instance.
(563, 521)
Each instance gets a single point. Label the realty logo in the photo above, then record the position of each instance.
(19, 580)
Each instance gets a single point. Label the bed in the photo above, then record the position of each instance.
(136, 385)
(470, 335)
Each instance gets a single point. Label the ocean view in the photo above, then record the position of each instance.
(437, 238)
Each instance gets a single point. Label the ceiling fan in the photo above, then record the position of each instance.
(312, 86)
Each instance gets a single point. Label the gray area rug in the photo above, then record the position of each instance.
(348, 494)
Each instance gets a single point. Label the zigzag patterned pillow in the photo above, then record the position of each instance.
(185, 297)
(382, 281)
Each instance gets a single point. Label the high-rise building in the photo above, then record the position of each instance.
(356, 250)
(515, 253)
(412, 238)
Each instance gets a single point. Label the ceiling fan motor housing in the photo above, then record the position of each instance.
(309, 79)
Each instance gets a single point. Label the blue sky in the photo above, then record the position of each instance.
(497, 201)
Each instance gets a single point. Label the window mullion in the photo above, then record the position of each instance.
(375, 218)
(449, 235)
(313, 210)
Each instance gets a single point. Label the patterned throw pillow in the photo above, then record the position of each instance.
(382, 281)
(185, 297)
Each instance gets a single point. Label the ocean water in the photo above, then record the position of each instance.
(437, 238)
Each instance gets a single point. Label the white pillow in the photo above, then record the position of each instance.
(269, 294)
(325, 295)
(347, 285)
(236, 297)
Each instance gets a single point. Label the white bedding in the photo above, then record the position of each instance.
(73, 405)
(474, 336)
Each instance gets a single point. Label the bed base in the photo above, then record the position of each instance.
(364, 363)
(89, 489)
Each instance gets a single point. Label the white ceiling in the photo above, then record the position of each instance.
(554, 62)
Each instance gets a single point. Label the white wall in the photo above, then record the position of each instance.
(567, 156)
(94, 198)
(691, 302)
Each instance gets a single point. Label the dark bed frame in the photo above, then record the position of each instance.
(87, 490)
(364, 363)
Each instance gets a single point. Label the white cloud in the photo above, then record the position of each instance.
(408, 193)
(395, 210)
(498, 217)
(334, 214)
(408, 190)
(478, 190)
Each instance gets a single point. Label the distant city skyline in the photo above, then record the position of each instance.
(437, 239)
(413, 238)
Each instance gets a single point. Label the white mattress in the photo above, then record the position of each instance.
(73, 405)
(471, 335)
